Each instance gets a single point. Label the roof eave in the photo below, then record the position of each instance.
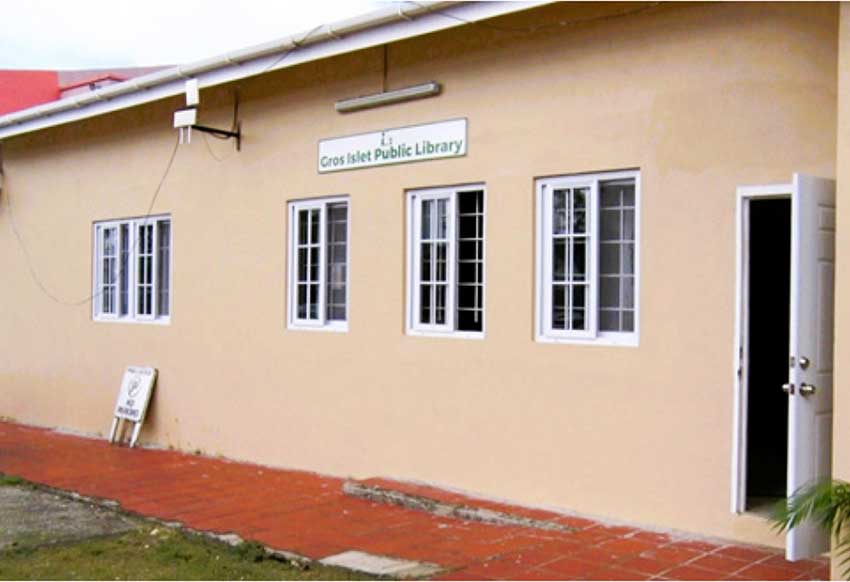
(375, 28)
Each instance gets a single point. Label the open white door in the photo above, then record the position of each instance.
(810, 378)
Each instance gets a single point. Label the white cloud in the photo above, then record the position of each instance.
(51, 34)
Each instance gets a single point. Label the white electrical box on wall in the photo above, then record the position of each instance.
(193, 96)
(185, 118)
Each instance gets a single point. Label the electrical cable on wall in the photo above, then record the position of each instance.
(212, 153)
(273, 64)
(34, 275)
(295, 45)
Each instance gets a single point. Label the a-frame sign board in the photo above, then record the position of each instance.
(133, 399)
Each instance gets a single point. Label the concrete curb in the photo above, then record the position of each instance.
(464, 512)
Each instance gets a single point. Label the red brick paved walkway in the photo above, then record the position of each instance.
(308, 514)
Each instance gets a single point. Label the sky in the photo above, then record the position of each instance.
(83, 34)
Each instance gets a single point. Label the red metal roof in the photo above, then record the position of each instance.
(22, 89)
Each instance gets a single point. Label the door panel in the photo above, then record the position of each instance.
(810, 400)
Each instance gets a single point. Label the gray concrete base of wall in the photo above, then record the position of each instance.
(444, 509)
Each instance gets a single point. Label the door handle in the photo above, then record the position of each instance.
(807, 389)
(788, 388)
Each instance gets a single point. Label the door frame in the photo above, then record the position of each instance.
(740, 359)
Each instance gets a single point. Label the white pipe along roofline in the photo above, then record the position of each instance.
(373, 29)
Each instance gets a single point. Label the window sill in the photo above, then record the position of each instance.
(475, 335)
(625, 340)
(157, 321)
(335, 328)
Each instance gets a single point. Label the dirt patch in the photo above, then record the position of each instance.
(31, 517)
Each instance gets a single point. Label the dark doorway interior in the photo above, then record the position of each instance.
(769, 307)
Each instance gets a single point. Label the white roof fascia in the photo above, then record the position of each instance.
(376, 28)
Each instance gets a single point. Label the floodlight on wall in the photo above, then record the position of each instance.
(185, 120)
(429, 89)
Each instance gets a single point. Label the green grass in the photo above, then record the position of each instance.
(7, 480)
(157, 553)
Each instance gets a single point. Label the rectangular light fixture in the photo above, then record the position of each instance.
(388, 97)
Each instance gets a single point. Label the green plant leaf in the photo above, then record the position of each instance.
(826, 503)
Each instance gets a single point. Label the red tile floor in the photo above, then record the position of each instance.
(308, 514)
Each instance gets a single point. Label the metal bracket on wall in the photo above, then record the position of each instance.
(234, 132)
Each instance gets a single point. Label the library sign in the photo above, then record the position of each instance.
(398, 145)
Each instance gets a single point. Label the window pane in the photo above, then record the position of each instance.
(442, 218)
(578, 319)
(469, 296)
(470, 269)
(609, 196)
(629, 320)
(337, 253)
(426, 269)
(616, 259)
(109, 242)
(470, 320)
(609, 292)
(628, 195)
(609, 320)
(559, 307)
(336, 296)
(124, 268)
(144, 270)
(559, 259)
(609, 258)
(470, 250)
(440, 304)
(468, 226)
(579, 302)
(579, 215)
(610, 225)
(579, 260)
(425, 304)
(427, 208)
(628, 259)
(441, 271)
(570, 259)
(303, 219)
(163, 267)
(302, 301)
(302, 264)
(313, 264)
(314, 225)
(314, 301)
(628, 225)
(559, 211)
(337, 217)
(470, 202)
(108, 264)
(628, 291)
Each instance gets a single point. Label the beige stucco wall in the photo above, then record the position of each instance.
(702, 98)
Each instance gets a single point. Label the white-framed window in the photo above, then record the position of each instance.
(587, 249)
(318, 264)
(445, 252)
(132, 270)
